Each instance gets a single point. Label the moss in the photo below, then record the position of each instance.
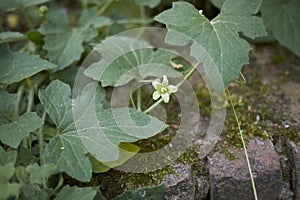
(132, 181)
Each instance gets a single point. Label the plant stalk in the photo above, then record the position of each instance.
(105, 6)
(139, 98)
(41, 140)
(244, 145)
(20, 93)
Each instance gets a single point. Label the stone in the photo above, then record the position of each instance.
(294, 155)
(230, 179)
(201, 182)
(179, 185)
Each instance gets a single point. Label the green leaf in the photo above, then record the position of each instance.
(218, 3)
(7, 156)
(64, 43)
(65, 149)
(12, 131)
(75, 193)
(102, 130)
(218, 39)
(12, 5)
(8, 189)
(127, 150)
(150, 3)
(10, 36)
(15, 67)
(38, 173)
(7, 102)
(135, 64)
(282, 18)
(149, 193)
(35, 36)
(33, 192)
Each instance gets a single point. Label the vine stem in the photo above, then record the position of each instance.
(20, 93)
(105, 6)
(41, 140)
(188, 75)
(27, 141)
(244, 145)
(139, 98)
(41, 145)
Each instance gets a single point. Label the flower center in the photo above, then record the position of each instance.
(163, 89)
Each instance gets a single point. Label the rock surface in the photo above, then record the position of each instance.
(230, 179)
(179, 185)
(294, 154)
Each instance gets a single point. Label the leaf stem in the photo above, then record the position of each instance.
(130, 21)
(132, 101)
(41, 140)
(139, 98)
(244, 145)
(188, 75)
(27, 141)
(20, 93)
(105, 6)
(30, 99)
(27, 20)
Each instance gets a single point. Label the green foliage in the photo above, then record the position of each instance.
(12, 5)
(282, 18)
(8, 189)
(7, 156)
(127, 150)
(65, 149)
(149, 193)
(219, 37)
(75, 193)
(52, 135)
(65, 43)
(150, 3)
(12, 130)
(138, 64)
(10, 36)
(15, 67)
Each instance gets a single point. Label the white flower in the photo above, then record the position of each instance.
(163, 89)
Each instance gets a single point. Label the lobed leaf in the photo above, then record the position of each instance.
(65, 149)
(216, 42)
(282, 18)
(8, 189)
(7, 156)
(75, 193)
(124, 59)
(69, 147)
(13, 133)
(15, 67)
(12, 130)
(64, 43)
(38, 173)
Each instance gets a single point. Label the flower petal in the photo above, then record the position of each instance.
(156, 83)
(155, 95)
(166, 97)
(165, 80)
(172, 88)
